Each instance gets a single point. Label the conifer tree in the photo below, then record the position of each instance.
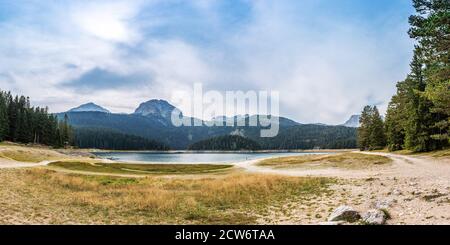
(364, 128)
(19, 122)
(4, 124)
(377, 139)
(431, 28)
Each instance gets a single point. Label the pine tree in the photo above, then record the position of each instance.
(420, 119)
(396, 118)
(364, 128)
(4, 124)
(371, 135)
(377, 138)
(19, 122)
(65, 130)
(431, 28)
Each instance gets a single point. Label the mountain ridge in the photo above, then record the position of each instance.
(352, 122)
(152, 120)
(89, 107)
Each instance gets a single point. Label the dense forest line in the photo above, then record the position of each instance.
(311, 136)
(417, 117)
(308, 136)
(100, 138)
(19, 122)
(225, 143)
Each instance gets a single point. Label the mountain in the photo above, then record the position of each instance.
(152, 120)
(89, 107)
(353, 122)
(245, 119)
(156, 108)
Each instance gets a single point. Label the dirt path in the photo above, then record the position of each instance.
(5, 163)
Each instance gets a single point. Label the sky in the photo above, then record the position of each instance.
(326, 58)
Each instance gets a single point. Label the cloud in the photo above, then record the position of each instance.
(96, 79)
(327, 59)
(111, 21)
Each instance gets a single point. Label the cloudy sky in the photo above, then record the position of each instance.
(327, 58)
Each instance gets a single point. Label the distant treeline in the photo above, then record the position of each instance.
(100, 138)
(418, 116)
(310, 136)
(225, 143)
(19, 122)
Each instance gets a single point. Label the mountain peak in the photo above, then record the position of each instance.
(352, 122)
(156, 107)
(89, 107)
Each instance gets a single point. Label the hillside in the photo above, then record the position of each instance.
(100, 138)
(225, 143)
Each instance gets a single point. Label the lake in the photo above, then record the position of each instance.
(186, 158)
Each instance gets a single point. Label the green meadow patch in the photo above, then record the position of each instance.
(139, 169)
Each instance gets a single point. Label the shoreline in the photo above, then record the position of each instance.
(234, 163)
(93, 151)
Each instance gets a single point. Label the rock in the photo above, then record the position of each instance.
(382, 204)
(413, 184)
(396, 192)
(332, 223)
(344, 213)
(374, 217)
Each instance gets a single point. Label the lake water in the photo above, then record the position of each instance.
(152, 157)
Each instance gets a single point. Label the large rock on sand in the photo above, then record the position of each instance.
(344, 213)
(374, 217)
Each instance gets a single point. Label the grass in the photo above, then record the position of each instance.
(28, 154)
(344, 160)
(63, 198)
(438, 153)
(124, 168)
(386, 213)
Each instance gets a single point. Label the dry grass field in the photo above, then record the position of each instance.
(140, 169)
(20, 153)
(341, 160)
(41, 196)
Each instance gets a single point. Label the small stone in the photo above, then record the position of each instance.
(382, 204)
(374, 217)
(344, 213)
(396, 192)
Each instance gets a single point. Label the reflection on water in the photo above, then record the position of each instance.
(193, 157)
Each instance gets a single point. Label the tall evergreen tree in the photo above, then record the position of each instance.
(377, 138)
(419, 121)
(418, 116)
(4, 123)
(431, 28)
(371, 135)
(396, 118)
(364, 128)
